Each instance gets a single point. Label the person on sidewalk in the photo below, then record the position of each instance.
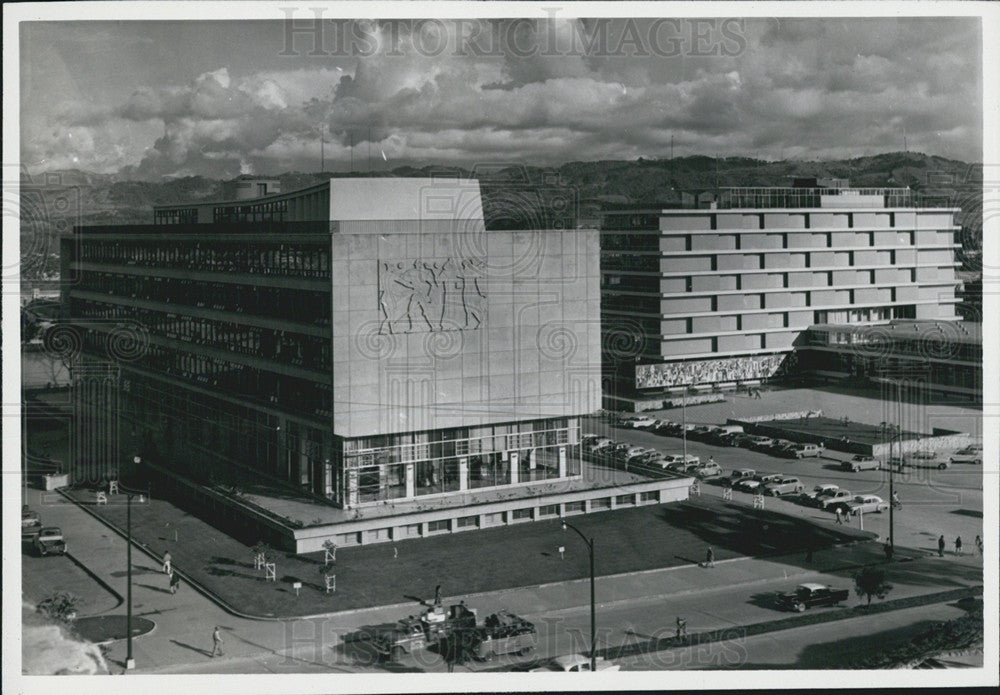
(710, 558)
(941, 546)
(217, 642)
(682, 627)
(887, 549)
(840, 519)
(175, 581)
(958, 545)
(166, 563)
(979, 545)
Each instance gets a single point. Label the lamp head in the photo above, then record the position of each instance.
(137, 460)
(563, 525)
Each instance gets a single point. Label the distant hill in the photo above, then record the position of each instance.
(513, 196)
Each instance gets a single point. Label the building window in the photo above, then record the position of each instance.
(650, 496)
(575, 507)
(624, 500)
(521, 514)
(548, 510)
(439, 525)
(468, 521)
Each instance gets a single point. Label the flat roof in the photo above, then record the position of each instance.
(912, 329)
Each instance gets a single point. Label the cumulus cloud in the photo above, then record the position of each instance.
(547, 92)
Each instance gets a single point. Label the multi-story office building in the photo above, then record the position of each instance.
(717, 296)
(366, 340)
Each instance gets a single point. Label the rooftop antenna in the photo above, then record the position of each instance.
(322, 150)
(369, 151)
(352, 151)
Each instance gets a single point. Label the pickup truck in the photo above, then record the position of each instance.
(811, 595)
(861, 463)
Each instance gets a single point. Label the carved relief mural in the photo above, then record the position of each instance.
(431, 296)
(713, 371)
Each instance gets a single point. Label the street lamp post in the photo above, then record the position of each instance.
(129, 660)
(593, 612)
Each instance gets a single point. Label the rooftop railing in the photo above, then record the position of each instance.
(777, 197)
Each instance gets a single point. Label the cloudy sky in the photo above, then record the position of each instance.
(155, 99)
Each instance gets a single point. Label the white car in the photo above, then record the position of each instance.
(639, 422)
(785, 486)
(970, 454)
(707, 470)
(866, 504)
(576, 663)
(925, 459)
(834, 498)
(749, 486)
(861, 462)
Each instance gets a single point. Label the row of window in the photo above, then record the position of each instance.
(760, 261)
(735, 240)
(280, 346)
(267, 211)
(465, 440)
(304, 260)
(778, 280)
(273, 302)
(284, 392)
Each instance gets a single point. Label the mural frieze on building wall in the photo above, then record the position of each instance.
(429, 296)
(713, 371)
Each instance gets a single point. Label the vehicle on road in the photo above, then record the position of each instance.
(925, 459)
(700, 433)
(866, 504)
(784, 486)
(801, 451)
(734, 439)
(737, 475)
(50, 541)
(707, 470)
(721, 435)
(668, 429)
(819, 492)
(31, 524)
(861, 462)
(504, 633)
(970, 454)
(811, 596)
(837, 497)
(406, 637)
(767, 478)
(575, 663)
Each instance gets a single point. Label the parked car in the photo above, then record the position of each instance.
(31, 524)
(596, 444)
(626, 455)
(811, 595)
(707, 470)
(925, 459)
(861, 462)
(800, 451)
(784, 486)
(866, 504)
(687, 460)
(668, 429)
(733, 439)
(50, 541)
(837, 497)
(639, 422)
(575, 663)
(970, 454)
(737, 475)
(765, 478)
(758, 442)
(780, 447)
(819, 492)
(700, 433)
(748, 485)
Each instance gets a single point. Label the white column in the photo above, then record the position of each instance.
(352, 488)
(411, 490)
(463, 474)
(515, 466)
(562, 462)
(532, 458)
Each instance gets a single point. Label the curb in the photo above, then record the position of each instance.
(207, 593)
(103, 584)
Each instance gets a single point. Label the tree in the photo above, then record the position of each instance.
(871, 581)
(60, 606)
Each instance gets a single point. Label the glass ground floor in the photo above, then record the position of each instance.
(213, 438)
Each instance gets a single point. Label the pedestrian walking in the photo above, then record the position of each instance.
(166, 563)
(941, 546)
(682, 627)
(175, 581)
(217, 642)
(887, 549)
(979, 545)
(958, 545)
(840, 519)
(710, 558)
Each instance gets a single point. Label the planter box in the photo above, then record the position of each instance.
(53, 482)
